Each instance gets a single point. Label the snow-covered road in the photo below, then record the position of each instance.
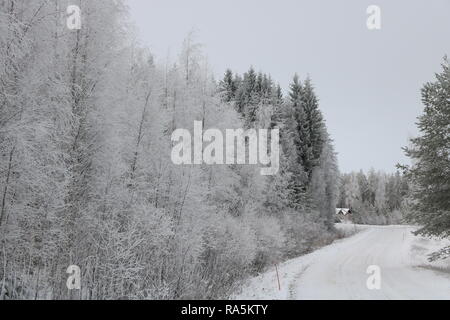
(339, 271)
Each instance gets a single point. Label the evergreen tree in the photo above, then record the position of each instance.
(316, 127)
(245, 92)
(302, 140)
(279, 94)
(228, 86)
(430, 153)
(324, 184)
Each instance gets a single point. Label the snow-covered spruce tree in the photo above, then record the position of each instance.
(316, 137)
(324, 184)
(430, 153)
(227, 86)
(286, 118)
(313, 149)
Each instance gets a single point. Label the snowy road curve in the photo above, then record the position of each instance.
(339, 271)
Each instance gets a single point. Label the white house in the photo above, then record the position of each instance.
(344, 215)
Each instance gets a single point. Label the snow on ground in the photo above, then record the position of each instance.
(338, 271)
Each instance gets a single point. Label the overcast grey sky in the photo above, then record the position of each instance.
(368, 81)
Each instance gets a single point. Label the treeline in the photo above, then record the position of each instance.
(308, 177)
(86, 119)
(376, 197)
